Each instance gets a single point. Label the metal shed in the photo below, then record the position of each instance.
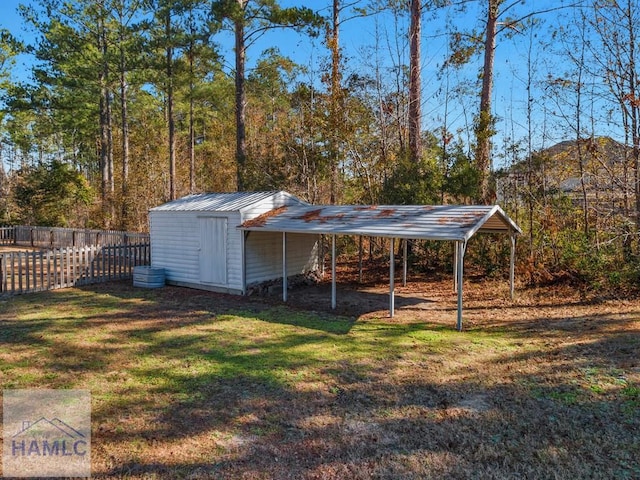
(196, 241)
(446, 223)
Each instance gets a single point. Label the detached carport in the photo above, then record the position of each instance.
(450, 223)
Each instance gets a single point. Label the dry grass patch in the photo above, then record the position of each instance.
(189, 384)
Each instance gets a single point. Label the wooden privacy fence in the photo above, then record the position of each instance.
(24, 272)
(56, 237)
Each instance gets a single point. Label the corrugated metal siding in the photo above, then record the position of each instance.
(234, 253)
(174, 245)
(264, 255)
(494, 223)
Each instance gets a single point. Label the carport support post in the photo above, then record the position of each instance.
(455, 267)
(460, 249)
(322, 255)
(243, 247)
(405, 251)
(284, 267)
(392, 274)
(333, 271)
(512, 266)
(360, 259)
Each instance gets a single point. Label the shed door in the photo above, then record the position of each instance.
(213, 250)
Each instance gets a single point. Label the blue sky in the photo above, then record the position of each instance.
(9, 18)
(12, 21)
(358, 39)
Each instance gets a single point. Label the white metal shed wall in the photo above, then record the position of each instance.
(263, 252)
(175, 246)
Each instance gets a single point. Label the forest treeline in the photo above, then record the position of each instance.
(131, 103)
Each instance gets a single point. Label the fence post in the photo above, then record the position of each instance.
(72, 252)
(13, 273)
(41, 254)
(110, 263)
(92, 255)
(20, 272)
(103, 273)
(48, 269)
(27, 267)
(120, 260)
(69, 281)
(55, 268)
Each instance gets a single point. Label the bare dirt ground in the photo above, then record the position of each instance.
(427, 297)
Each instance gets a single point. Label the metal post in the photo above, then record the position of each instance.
(455, 267)
(320, 251)
(460, 247)
(322, 256)
(404, 262)
(392, 274)
(284, 266)
(333, 271)
(512, 266)
(243, 254)
(360, 259)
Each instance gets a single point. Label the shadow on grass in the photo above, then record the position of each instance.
(382, 430)
(192, 385)
(352, 300)
(284, 315)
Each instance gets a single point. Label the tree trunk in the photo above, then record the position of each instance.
(484, 128)
(104, 140)
(170, 119)
(415, 97)
(336, 101)
(580, 143)
(192, 134)
(106, 158)
(241, 115)
(125, 137)
(634, 106)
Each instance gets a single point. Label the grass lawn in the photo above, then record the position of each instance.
(190, 384)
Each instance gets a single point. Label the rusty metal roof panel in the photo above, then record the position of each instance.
(224, 202)
(442, 222)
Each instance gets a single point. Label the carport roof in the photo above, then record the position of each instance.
(440, 222)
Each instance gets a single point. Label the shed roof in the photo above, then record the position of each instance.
(441, 222)
(222, 202)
